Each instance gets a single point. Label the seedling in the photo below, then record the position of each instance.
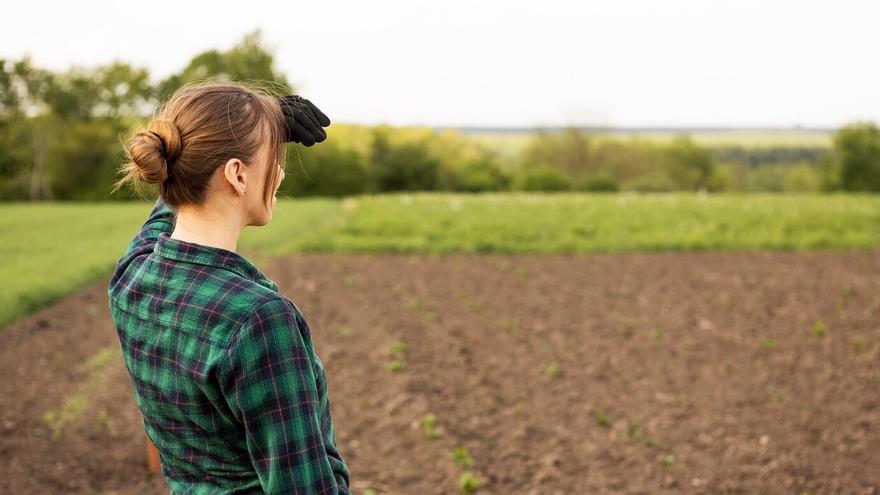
(468, 482)
(395, 366)
(655, 334)
(552, 369)
(633, 431)
(398, 347)
(667, 460)
(767, 344)
(348, 281)
(819, 329)
(603, 419)
(520, 271)
(462, 457)
(429, 426)
(370, 491)
(415, 303)
(344, 330)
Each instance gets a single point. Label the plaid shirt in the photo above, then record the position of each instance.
(230, 389)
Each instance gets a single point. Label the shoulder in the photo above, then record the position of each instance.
(274, 317)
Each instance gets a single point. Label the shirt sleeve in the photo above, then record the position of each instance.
(161, 219)
(270, 385)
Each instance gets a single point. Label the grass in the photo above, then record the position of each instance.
(52, 248)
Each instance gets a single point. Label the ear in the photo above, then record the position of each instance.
(235, 173)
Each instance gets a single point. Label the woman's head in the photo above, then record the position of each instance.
(212, 141)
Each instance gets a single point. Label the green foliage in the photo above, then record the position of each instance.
(398, 347)
(481, 174)
(567, 151)
(402, 167)
(395, 366)
(857, 153)
(819, 329)
(541, 178)
(462, 457)
(468, 482)
(326, 170)
(552, 369)
(429, 426)
(688, 164)
(602, 419)
(249, 60)
(599, 182)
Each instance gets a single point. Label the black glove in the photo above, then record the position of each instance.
(303, 121)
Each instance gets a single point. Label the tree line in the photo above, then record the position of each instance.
(61, 138)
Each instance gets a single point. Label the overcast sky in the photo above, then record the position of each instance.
(504, 63)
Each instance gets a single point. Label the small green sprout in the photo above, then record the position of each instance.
(429, 426)
(344, 330)
(462, 457)
(767, 343)
(819, 328)
(602, 419)
(395, 366)
(398, 347)
(468, 482)
(655, 334)
(667, 460)
(552, 369)
(633, 431)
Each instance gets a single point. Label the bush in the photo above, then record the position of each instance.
(402, 167)
(857, 151)
(600, 182)
(325, 170)
(541, 178)
(480, 175)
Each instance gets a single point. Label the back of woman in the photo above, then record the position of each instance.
(222, 365)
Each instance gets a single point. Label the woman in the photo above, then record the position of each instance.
(224, 373)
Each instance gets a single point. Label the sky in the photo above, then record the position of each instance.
(620, 63)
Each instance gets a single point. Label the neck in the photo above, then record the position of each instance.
(202, 226)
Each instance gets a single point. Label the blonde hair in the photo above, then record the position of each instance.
(201, 127)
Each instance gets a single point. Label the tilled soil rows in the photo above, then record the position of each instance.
(695, 373)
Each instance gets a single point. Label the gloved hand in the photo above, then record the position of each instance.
(303, 120)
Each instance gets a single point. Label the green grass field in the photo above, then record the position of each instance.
(50, 249)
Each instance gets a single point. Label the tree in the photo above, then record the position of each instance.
(248, 61)
(856, 151)
(401, 167)
(689, 165)
(568, 151)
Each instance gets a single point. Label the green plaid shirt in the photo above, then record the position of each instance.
(230, 389)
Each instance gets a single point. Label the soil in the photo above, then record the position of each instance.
(698, 373)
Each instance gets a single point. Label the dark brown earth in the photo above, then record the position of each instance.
(677, 373)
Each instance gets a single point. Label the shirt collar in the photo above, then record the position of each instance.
(176, 249)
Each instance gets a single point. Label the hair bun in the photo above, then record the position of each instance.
(155, 150)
